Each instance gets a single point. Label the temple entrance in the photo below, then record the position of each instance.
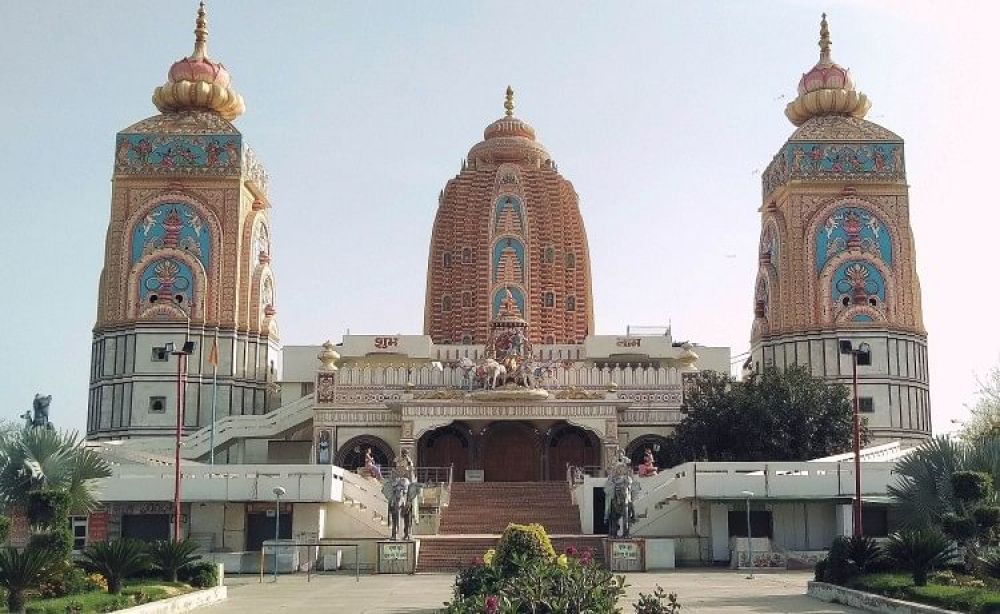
(445, 447)
(511, 453)
(571, 445)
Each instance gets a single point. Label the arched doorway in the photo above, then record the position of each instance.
(663, 451)
(511, 453)
(351, 455)
(444, 447)
(571, 445)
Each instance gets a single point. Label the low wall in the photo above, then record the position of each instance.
(181, 603)
(831, 593)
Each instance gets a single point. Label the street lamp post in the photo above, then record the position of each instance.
(186, 350)
(278, 491)
(748, 495)
(863, 349)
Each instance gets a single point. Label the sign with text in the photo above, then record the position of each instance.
(397, 557)
(626, 554)
(384, 343)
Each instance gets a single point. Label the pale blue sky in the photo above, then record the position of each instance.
(662, 114)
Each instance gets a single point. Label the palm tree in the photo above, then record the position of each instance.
(23, 571)
(170, 556)
(36, 459)
(117, 560)
(923, 493)
(920, 552)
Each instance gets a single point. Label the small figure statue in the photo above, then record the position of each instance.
(404, 466)
(373, 470)
(323, 448)
(517, 342)
(39, 417)
(648, 467)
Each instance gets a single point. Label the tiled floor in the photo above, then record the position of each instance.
(701, 591)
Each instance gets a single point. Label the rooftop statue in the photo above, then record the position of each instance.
(38, 417)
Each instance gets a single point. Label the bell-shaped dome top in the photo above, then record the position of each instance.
(198, 83)
(509, 139)
(827, 89)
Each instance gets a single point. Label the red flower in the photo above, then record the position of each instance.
(587, 555)
(492, 604)
(571, 551)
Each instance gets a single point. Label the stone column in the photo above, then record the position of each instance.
(406, 441)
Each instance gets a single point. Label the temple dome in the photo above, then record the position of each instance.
(510, 139)
(827, 89)
(198, 83)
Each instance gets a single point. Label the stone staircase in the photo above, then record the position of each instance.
(479, 512)
(479, 508)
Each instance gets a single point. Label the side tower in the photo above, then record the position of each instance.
(508, 221)
(837, 258)
(187, 257)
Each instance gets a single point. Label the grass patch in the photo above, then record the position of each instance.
(976, 600)
(133, 593)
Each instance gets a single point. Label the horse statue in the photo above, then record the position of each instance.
(494, 374)
(401, 494)
(39, 415)
(620, 491)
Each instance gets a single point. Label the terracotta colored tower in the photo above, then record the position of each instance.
(837, 259)
(508, 221)
(187, 257)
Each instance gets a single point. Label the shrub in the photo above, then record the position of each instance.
(920, 552)
(169, 556)
(117, 560)
(66, 579)
(59, 541)
(987, 517)
(865, 553)
(74, 606)
(529, 542)
(4, 528)
(820, 571)
(959, 528)
(48, 507)
(477, 580)
(21, 572)
(990, 564)
(839, 568)
(200, 575)
(971, 486)
(653, 604)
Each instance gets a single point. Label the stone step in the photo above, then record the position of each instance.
(451, 554)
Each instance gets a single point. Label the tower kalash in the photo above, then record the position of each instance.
(187, 259)
(837, 261)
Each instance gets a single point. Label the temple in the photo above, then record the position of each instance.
(508, 383)
(837, 260)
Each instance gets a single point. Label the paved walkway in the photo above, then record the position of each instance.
(701, 591)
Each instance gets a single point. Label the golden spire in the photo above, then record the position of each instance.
(824, 42)
(509, 102)
(200, 34)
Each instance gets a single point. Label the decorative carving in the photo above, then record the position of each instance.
(580, 394)
(842, 162)
(441, 393)
(326, 387)
(155, 154)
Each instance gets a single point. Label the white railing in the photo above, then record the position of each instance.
(198, 444)
(424, 375)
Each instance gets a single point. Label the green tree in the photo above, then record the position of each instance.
(38, 459)
(777, 415)
(924, 491)
(984, 423)
(117, 560)
(21, 572)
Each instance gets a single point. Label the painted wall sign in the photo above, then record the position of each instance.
(628, 342)
(383, 343)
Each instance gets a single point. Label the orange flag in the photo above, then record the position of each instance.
(213, 355)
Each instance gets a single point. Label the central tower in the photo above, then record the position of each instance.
(509, 222)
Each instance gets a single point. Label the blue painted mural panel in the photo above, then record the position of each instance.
(852, 226)
(174, 225)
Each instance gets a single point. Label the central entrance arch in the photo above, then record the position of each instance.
(447, 446)
(571, 445)
(512, 452)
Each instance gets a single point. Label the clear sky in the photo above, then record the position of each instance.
(662, 114)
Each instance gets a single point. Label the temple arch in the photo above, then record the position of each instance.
(351, 455)
(447, 446)
(568, 444)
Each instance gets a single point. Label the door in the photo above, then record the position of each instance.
(260, 527)
(570, 446)
(146, 527)
(443, 448)
(511, 453)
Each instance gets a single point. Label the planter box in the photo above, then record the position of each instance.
(181, 603)
(831, 593)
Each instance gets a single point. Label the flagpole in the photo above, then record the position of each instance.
(215, 394)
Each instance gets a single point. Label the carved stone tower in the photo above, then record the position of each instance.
(837, 258)
(508, 221)
(187, 257)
